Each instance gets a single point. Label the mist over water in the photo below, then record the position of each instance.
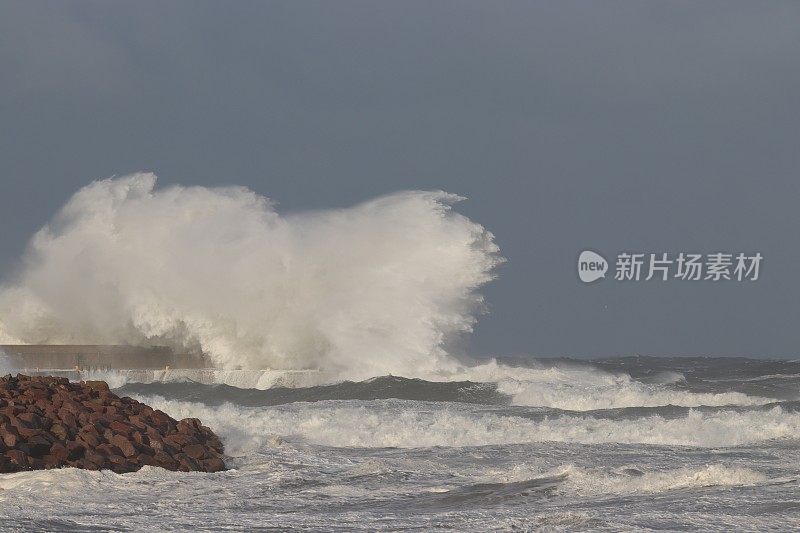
(382, 287)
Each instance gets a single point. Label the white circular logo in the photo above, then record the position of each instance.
(591, 266)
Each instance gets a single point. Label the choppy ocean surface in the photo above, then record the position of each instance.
(612, 445)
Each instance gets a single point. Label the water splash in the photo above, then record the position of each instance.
(378, 288)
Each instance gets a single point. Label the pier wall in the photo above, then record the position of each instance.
(50, 356)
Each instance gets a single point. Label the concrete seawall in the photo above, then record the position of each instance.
(51, 356)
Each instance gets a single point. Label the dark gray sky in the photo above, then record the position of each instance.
(640, 126)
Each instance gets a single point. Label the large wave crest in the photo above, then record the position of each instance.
(382, 287)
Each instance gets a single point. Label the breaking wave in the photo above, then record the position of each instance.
(636, 481)
(578, 387)
(382, 287)
(574, 480)
(571, 390)
(390, 423)
(569, 479)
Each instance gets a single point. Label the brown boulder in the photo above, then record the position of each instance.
(165, 461)
(120, 427)
(96, 385)
(6, 466)
(137, 421)
(156, 442)
(51, 461)
(189, 426)
(186, 463)
(18, 457)
(10, 435)
(119, 463)
(38, 446)
(94, 458)
(89, 438)
(59, 451)
(179, 440)
(67, 418)
(195, 451)
(59, 431)
(213, 464)
(127, 448)
(27, 433)
(75, 450)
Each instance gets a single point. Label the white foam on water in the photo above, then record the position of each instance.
(582, 388)
(595, 481)
(564, 386)
(380, 424)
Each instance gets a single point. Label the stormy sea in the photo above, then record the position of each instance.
(607, 445)
(334, 380)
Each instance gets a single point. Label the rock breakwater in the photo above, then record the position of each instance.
(49, 422)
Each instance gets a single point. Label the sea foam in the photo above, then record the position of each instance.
(382, 287)
(381, 424)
